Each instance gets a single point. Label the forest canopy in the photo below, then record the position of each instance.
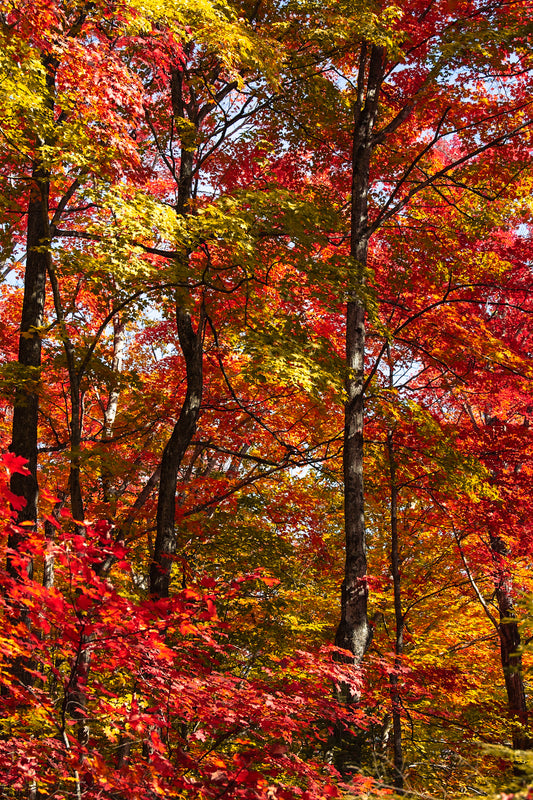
(265, 399)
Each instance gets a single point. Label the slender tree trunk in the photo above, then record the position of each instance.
(50, 533)
(26, 410)
(354, 632)
(184, 106)
(75, 697)
(509, 634)
(119, 344)
(510, 648)
(76, 417)
(510, 642)
(165, 544)
(75, 701)
(399, 620)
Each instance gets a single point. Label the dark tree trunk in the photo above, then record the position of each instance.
(509, 633)
(26, 411)
(76, 420)
(510, 648)
(354, 632)
(165, 543)
(75, 697)
(397, 761)
(185, 108)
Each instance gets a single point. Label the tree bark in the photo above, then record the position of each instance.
(354, 632)
(165, 543)
(50, 533)
(184, 107)
(397, 760)
(76, 416)
(110, 413)
(26, 410)
(509, 632)
(510, 648)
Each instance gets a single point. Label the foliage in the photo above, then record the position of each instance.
(194, 164)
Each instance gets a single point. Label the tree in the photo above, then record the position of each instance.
(256, 318)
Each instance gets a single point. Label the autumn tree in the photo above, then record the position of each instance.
(274, 239)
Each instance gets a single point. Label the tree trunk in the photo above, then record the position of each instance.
(75, 697)
(50, 533)
(354, 632)
(165, 543)
(397, 779)
(26, 410)
(510, 648)
(76, 416)
(184, 107)
(509, 633)
(119, 344)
